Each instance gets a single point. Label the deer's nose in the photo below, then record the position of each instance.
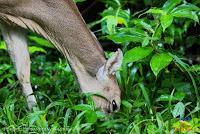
(114, 105)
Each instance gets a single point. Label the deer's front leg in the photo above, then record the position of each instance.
(16, 42)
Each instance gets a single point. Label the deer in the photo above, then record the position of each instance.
(60, 22)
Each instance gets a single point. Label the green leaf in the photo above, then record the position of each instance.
(128, 35)
(34, 49)
(91, 116)
(82, 107)
(194, 68)
(187, 6)
(127, 104)
(41, 41)
(185, 14)
(54, 128)
(158, 33)
(159, 62)
(169, 40)
(160, 121)
(166, 97)
(79, 1)
(166, 21)
(113, 21)
(140, 22)
(156, 11)
(179, 110)
(116, 12)
(4, 93)
(124, 38)
(77, 120)
(137, 53)
(146, 96)
(3, 45)
(151, 129)
(145, 42)
(170, 4)
(177, 97)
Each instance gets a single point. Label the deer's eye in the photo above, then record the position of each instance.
(114, 105)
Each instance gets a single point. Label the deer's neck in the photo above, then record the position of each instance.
(62, 24)
(67, 29)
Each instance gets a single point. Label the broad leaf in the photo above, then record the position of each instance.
(187, 6)
(41, 41)
(124, 38)
(127, 104)
(159, 62)
(34, 49)
(185, 14)
(145, 42)
(166, 21)
(111, 22)
(179, 110)
(3, 45)
(91, 116)
(142, 23)
(128, 35)
(113, 12)
(156, 11)
(136, 54)
(170, 4)
(178, 96)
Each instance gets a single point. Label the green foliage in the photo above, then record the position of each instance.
(79, 1)
(159, 62)
(159, 79)
(179, 110)
(137, 54)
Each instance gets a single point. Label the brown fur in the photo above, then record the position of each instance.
(61, 23)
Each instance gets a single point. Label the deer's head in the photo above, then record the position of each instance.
(105, 84)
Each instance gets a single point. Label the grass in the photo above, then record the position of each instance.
(146, 107)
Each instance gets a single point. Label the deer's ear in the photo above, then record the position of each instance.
(114, 63)
(111, 65)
